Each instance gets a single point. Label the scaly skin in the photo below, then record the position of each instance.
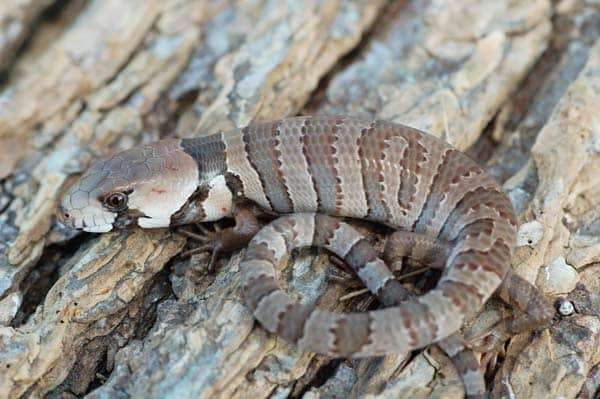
(308, 167)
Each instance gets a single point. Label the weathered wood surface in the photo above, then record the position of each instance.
(16, 19)
(123, 315)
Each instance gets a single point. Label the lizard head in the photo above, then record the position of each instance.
(144, 185)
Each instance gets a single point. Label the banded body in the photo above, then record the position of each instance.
(374, 170)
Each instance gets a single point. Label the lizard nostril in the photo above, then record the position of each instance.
(63, 215)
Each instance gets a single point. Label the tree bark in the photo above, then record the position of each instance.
(516, 83)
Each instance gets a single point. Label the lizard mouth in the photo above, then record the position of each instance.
(88, 219)
(101, 228)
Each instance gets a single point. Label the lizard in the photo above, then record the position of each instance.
(311, 171)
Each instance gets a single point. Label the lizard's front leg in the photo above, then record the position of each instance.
(229, 239)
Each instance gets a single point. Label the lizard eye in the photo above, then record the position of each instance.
(116, 201)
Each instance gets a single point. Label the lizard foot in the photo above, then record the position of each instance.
(224, 240)
(210, 243)
(343, 275)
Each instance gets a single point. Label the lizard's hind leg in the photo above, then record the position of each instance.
(530, 311)
(422, 250)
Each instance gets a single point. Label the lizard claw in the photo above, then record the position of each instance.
(223, 240)
(342, 273)
(210, 244)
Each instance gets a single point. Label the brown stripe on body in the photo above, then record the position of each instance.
(360, 255)
(292, 322)
(466, 364)
(209, 154)
(418, 170)
(433, 194)
(394, 151)
(325, 228)
(417, 325)
(239, 165)
(474, 205)
(471, 374)
(456, 176)
(340, 240)
(452, 230)
(318, 334)
(352, 334)
(343, 240)
(270, 244)
(480, 258)
(481, 236)
(304, 230)
(262, 251)
(262, 144)
(256, 288)
(353, 200)
(495, 260)
(318, 149)
(370, 151)
(450, 305)
(294, 167)
(482, 278)
(389, 330)
(465, 298)
(271, 309)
